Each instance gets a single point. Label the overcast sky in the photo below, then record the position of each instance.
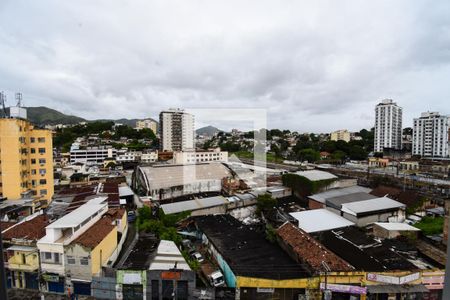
(315, 67)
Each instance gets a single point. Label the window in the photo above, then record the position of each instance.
(56, 256)
(84, 261)
(41, 150)
(43, 181)
(32, 139)
(43, 192)
(42, 171)
(32, 150)
(70, 260)
(33, 171)
(41, 140)
(47, 255)
(42, 160)
(33, 161)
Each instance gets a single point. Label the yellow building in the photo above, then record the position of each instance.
(340, 135)
(22, 263)
(26, 161)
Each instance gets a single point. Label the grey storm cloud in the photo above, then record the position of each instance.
(315, 66)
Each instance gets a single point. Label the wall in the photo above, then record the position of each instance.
(77, 270)
(101, 254)
(396, 216)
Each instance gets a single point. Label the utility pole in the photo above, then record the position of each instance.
(3, 292)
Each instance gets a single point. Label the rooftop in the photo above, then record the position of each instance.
(77, 216)
(247, 251)
(167, 257)
(316, 175)
(322, 197)
(371, 206)
(196, 204)
(310, 250)
(142, 254)
(361, 251)
(336, 202)
(96, 233)
(33, 229)
(397, 226)
(319, 220)
(166, 176)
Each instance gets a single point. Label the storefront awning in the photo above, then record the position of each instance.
(391, 288)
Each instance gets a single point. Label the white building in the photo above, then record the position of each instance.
(431, 135)
(340, 135)
(61, 233)
(149, 157)
(193, 157)
(388, 126)
(147, 123)
(176, 130)
(91, 155)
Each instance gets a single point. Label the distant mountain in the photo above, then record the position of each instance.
(42, 116)
(208, 131)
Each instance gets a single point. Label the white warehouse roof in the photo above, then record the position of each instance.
(319, 220)
(372, 205)
(316, 175)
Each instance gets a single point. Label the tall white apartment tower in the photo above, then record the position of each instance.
(388, 126)
(431, 135)
(176, 129)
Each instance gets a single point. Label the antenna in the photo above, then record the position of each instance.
(2, 103)
(19, 99)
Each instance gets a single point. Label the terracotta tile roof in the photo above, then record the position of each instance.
(311, 251)
(6, 225)
(33, 229)
(116, 213)
(96, 233)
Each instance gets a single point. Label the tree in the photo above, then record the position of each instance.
(265, 202)
(357, 153)
(309, 155)
(338, 155)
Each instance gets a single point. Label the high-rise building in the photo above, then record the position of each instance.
(388, 126)
(26, 160)
(176, 129)
(431, 135)
(148, 123)
(340, 135)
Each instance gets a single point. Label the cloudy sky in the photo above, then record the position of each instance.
(314, 65)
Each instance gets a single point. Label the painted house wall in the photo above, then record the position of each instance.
(77, 270)
(103, 251)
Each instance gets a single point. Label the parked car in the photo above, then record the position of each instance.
(197, 256)
(216, 279)
(131, 216)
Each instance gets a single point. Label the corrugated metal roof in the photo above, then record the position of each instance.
(316, 175)
(125, 191)
(77, 216)
(196, 204)
(321, 197)
(319, 220)
(336, 202)
(365, 206)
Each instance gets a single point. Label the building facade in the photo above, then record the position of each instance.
(147, 123)
(176, 130)
(91, 155)
(340, 135)
(431, 135)
(26, 161)
(194, 157)
(388, 126)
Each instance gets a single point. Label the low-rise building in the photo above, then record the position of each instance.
(60, 234)
(340, 135)
(193, 157)
(91, 155)
(319, 200)
(317, 220)
(22, 256)
(392, 230)
(163, 182)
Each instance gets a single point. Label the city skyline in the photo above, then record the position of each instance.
(312, 76)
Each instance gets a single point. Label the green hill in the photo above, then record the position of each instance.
(42, 115)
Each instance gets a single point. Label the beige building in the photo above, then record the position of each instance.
(26, 161)
(195, 157)
(148, 123)
(340, 135)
